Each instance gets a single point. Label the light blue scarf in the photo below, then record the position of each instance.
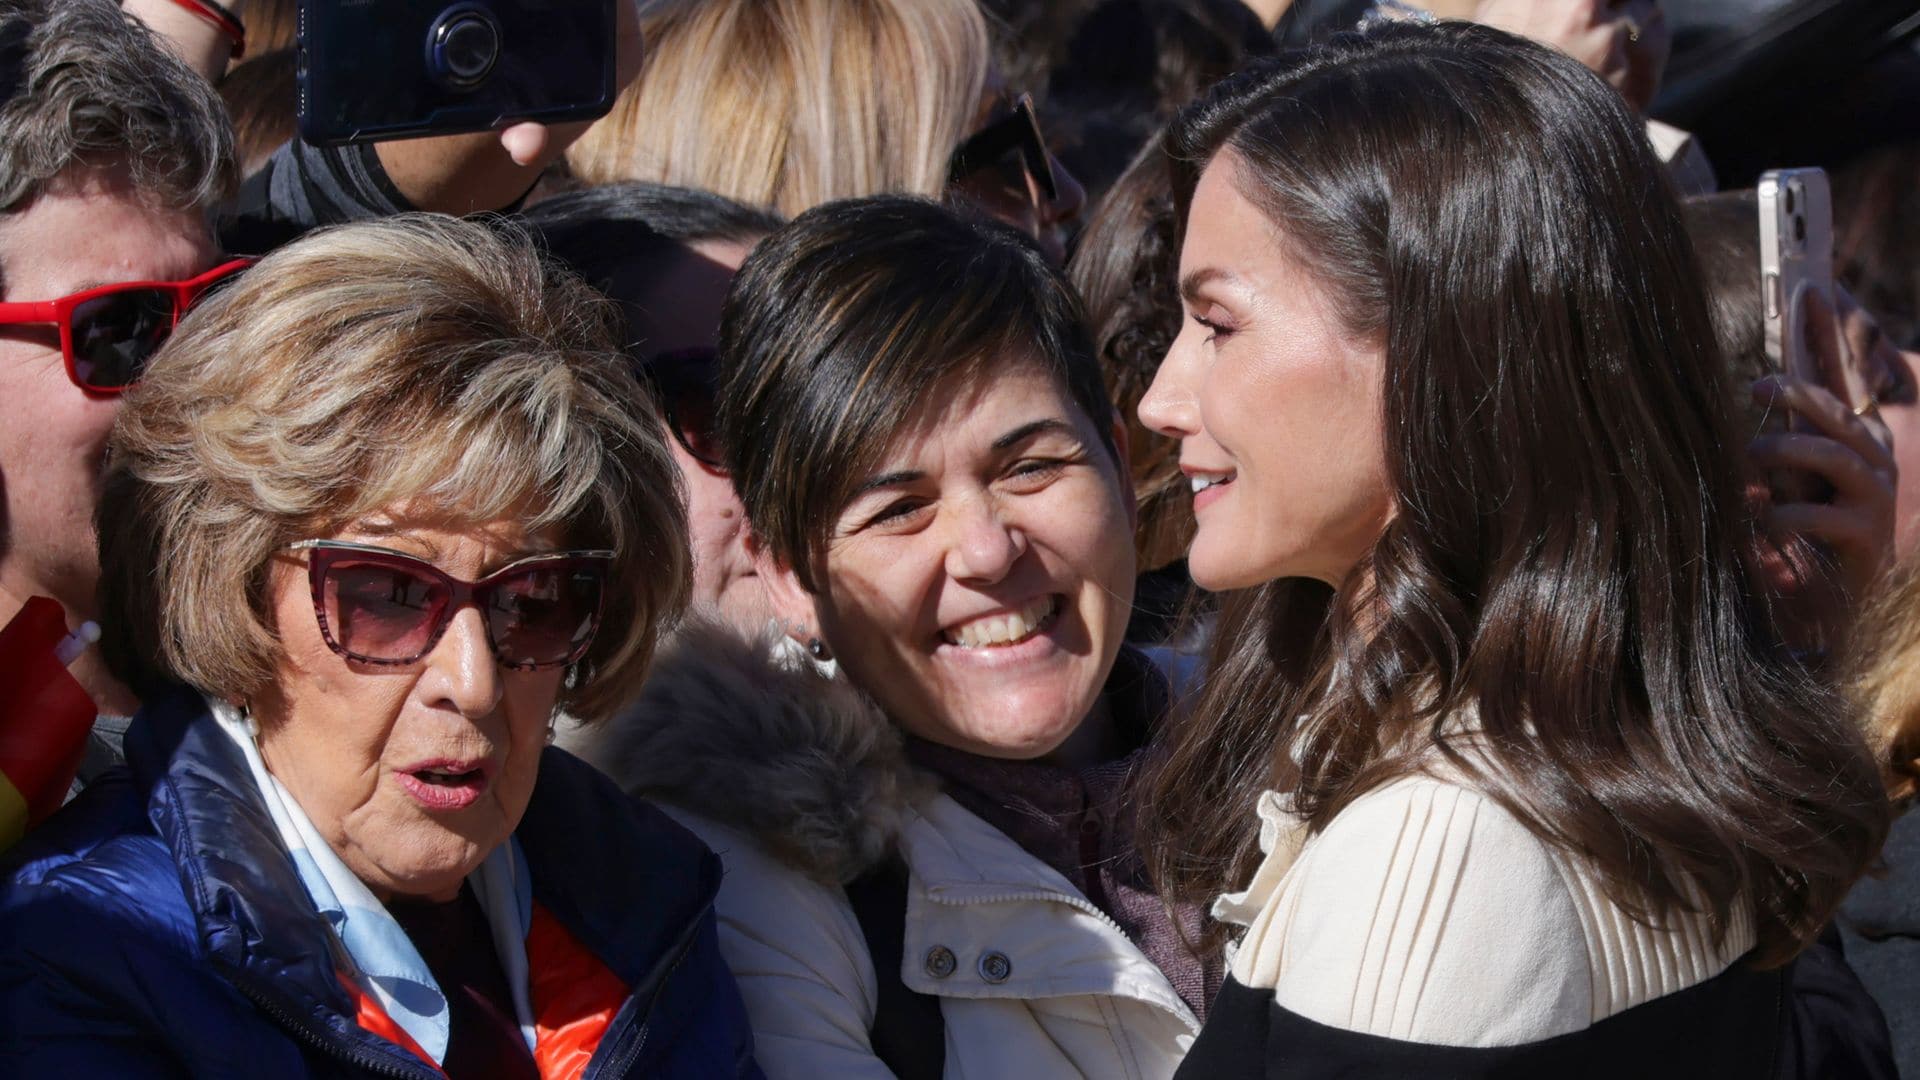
(390, 969)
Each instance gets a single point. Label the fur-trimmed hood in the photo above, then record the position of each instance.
(804, 763)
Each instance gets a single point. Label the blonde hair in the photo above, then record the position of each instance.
(788, 104)
(420, 363)
(1886, 678)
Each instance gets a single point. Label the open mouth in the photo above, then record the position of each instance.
(446, 785)
(449, 777)
(999, 631)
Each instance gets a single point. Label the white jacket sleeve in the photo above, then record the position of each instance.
(800, 959)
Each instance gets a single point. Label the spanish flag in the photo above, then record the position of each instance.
(45, 715)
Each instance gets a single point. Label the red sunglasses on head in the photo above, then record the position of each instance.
(379, 606)
(108, 334)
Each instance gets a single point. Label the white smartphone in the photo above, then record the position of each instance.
(1796, 257)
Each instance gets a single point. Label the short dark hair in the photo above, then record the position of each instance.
(597, 229)
(839, 325)
(601, 232)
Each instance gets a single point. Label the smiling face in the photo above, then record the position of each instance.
(979, 586)
(412, 773)
(1277, 408)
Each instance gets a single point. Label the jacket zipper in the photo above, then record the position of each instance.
(328, 1045)
(620, 1065)
(1185, 1013)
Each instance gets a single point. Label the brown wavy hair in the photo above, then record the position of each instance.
(1125, 269)
(1562, 561)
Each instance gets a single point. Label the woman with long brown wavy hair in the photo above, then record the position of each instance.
(1507, 774)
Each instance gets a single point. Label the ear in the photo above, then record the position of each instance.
(1123, 450)
(788, 600)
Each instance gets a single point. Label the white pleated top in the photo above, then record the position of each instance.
(1426, 912)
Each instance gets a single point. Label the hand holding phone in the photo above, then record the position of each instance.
(386, 69)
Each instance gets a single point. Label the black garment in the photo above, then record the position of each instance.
(483, 1036)
(1838, 1031)
(1880, 924)
(1729, 1028)
(303, 187)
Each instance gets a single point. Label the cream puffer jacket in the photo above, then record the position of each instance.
(800, 784)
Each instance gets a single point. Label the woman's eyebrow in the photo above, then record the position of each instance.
(1029, 430)
(886, 480)
(1193, 282)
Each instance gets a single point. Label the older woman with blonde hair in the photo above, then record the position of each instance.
(377, 515)
(788, 104)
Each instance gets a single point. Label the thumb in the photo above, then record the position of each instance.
(526, 143)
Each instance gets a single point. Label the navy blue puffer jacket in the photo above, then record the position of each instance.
(156, 927)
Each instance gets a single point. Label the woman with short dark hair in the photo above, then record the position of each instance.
(1506, 775)
(930, 861)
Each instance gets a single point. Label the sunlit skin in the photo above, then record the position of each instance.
(998, 496)
(88, 228)
(340, 735)
(677, 306)
(1272, 398)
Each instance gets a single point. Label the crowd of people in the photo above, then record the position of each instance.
(967, 538)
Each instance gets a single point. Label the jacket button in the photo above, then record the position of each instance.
(995, 967)
(940, 962)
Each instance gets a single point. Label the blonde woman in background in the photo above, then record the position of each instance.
(788, 104)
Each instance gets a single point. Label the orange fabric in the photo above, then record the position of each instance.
(374, 1020)
(575, 998)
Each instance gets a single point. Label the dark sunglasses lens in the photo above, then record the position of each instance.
(544, 616)
(115, 335)
(685, 383)
(379, 612)
(693, 424)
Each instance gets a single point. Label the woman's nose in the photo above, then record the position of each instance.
(462, 670)
(983, 546)
(1169, 406)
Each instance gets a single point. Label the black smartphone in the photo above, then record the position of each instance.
(390, 69)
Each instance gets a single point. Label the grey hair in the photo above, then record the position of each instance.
(418, 363)
(83, 84)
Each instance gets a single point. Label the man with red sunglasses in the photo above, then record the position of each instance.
(115, 154)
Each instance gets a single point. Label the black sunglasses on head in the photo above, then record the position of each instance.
(1017, 130)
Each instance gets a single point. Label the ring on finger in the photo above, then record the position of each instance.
(1869, 407)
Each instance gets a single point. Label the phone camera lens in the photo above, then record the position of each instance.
(1800, 230)
(463, 46)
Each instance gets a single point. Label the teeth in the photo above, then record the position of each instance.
(1003, 629)
(1202, 483)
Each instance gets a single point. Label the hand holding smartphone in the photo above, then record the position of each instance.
(385, 69)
